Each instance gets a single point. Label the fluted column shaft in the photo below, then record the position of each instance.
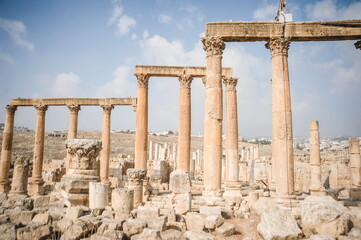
(105, 152)
(184, 129)
(73, 127)
(213, 118)
(282, 136)
(315, 160)
(6, 149)
(141, 133)
(355, 160)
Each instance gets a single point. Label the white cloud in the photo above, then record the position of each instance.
(6, 58)
(330, 10)
(120, 85)
(192, 14)
(266, 12)
(117, 12)
(145, 33)
(17, 31)
(164, 18)
(66, 85)
(134, 36)
(125, 23)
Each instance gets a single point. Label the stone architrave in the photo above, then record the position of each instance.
(83, 169)
(316, 187)
(141, 132)
(282, 136)
(105, 152)
(232, 192)
(184, 129)
(6, 149)
(213, 118)
(73, 127)
(20, 175)
(135, 183)
(36, 181)
(355, 160)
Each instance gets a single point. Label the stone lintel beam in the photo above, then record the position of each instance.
(175, 71)
(294, 31)
(72, 101)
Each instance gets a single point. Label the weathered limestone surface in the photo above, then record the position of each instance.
(180, 182)
(20, 175)
(122, 199)
(276, 223)
(105, 152)
(325, 216)
(355, 159)
(98, 195)
(72, 101)
(135, 183)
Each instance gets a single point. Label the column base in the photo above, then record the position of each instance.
(272, 189)
(4, 186)
(105, 181)
(355, 194)
(232, 195)
(318, 191)
(213, 197)
(287, 201)
(35, 186)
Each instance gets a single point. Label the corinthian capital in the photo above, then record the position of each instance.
(185, 80)
(74, 108)
(107, 108)
(230, 82)
(41, 108)
(143, 80)
(358, 45)
(278, 46)
(213, 45)
(10, 109)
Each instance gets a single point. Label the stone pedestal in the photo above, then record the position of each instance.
(36, 181)
(135, 183)
(213, 118)
(6, 149)
(316, 187)
(20, 175)
(83, 169)
(98, 195)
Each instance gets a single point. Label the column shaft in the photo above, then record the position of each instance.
(141, 134)
(6, 149)
(213, 118)
(355, 160)
(315, 160)
(73, 127)
(184, 130)
(282, 136)
(105, 152)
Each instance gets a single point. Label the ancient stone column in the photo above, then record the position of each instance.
(141, 132)
(355, 160)
(105, 152)
(6, 149)
(316, 187)
(98, 195)
(135, 183)
(73, 127)
(184, 129)
(36, 181)
(282, 136)
(150, 151)
(20, 175)
(232, 188)
(358, 45)
(213, 118)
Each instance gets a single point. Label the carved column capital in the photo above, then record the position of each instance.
(213, 45)
(185, 80)
(230, 82)
(74, 108)
(358, 45)
(41, 108)
(278, 46)
(204, 80)
(143, 80)
(107, 108)
(10, 109)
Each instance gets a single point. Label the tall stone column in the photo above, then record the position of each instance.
(213, 118)
(73, 127)
(20, 175)
(141, 132)
(184, 130)
(105, 152)
(316, 187)
(355, 159)
(282, 136)
(232, 189)
(6, 149)
(36, 181)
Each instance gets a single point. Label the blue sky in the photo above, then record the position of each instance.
(88, 48)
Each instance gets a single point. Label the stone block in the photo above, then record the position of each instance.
(63, 224)
(43, 218)
(182, 203)
(179, 226)
(20, 216)
(198, 235)
(4, 219)
(101, 236)
(321, 237)
(158, 223)
(7, 231)
(116, 234)
(324, 216)
(213, 221)
(171, 234)
(98, 195)
(169, 212)
(74, 212)
(33, 231)
(122, 199)
(133, 226)
(275, 223)
(180, 182)
(147, 213)
(194, 221)
(149, 234)
(208, 211)
(355, 194)
(226, 229)
(41, 201)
